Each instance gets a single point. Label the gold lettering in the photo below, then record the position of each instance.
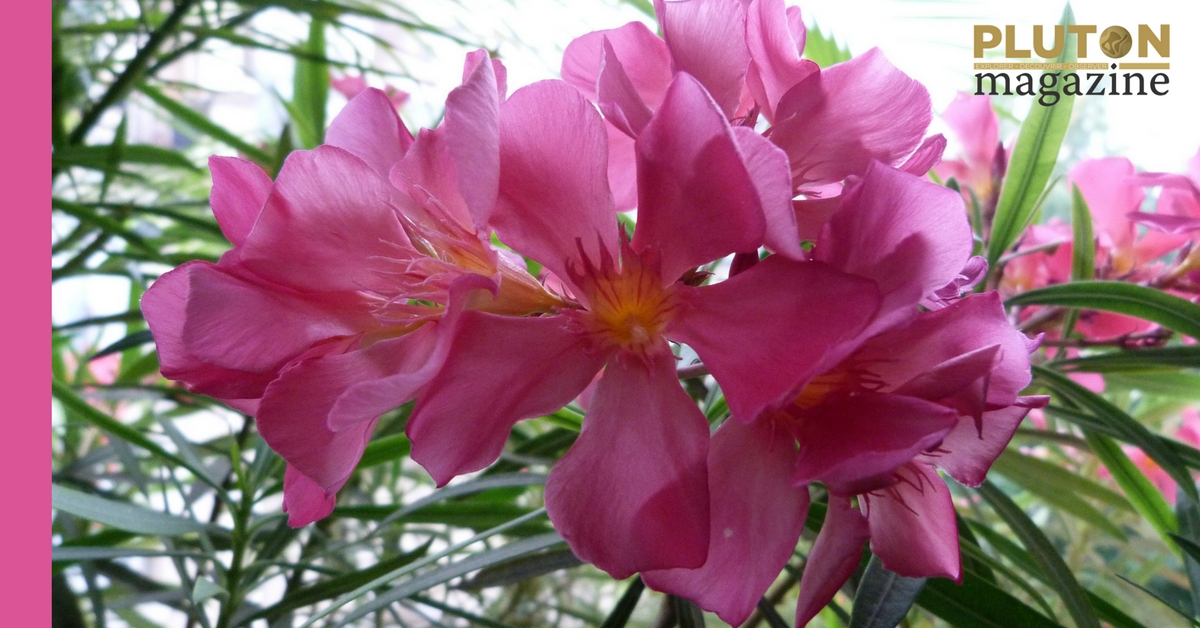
(1010, 44)
(1082, 30)
(1161, 43)
(982, 31)
(1059, 42)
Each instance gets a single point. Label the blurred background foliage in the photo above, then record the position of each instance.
(167, 503)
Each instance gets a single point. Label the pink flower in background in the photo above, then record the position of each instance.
(632, 494)
(1188, 432)
(881, 409)
(352, 86)
(1177, 210)
(339, 297)
(1113, 192)
(977, 128)
(831, 123)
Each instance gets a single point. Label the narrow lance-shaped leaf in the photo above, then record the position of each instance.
(1141, 359)
(122, 515)
(883, 597)
(311, 89)
(1083, 253)
(1141, 492)
(1124, 426)
(1187, 514)
(203, 124)
(978, 604)
(1033, 159)
(1047, 557)
(1123, 298)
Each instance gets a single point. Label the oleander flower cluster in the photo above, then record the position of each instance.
(856, 362)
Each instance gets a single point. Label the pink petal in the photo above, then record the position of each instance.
(554, 195)
(632, 493)
(837, 120)
(812, 214)
(1111, 193)
(975, 126)
(643, 56)
(303, 500)
(775, 37)
(766, 316)
(429, 177)
(910, 236)
(232, 323)
(967, 455)
(755, 513)
(369, 128)
(473, 137)
(692, 176)
(927, 155)
(499, 370)
(913, 528)
(394, 374)
(902, 354)
(854, 443)
(1166, 222)
(165, 308)
(622, 169)
(297, 416)
(475, 58)
(960, 382)
(834, 556)
(330, 225)
(768, 169)
(707, 39)
(617, 97)
(239, 191)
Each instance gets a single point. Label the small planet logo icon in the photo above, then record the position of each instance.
(1115, 42)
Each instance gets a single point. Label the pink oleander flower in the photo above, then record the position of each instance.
(1188, 432)
(1113, 192)
(352, 86)
(977, 128)
(831, 123)
(881, 408)
(339, 297)
(632, 494)
(1177, 210)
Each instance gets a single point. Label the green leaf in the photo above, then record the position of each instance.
(1038, 480)
(205, 589)
(1141, 492)
(328, 589)
(443, 574)
(204, 124)
(76, 554)
(1147, 359)
(1022, 559)
(99, 157)
(1160, 599)
(1083, 258)
(1020, 468)
(136, 339)
(977, 604)
(1153, 305)
(821, 48)
(883, 597)
(385, 449)
(122, 515)
(1187, 514)
(624, 609)
(1032, 162)
(523, 568)
(516, 548)
(1186, 454)
(1047, 557)
(1184, 386)
(1125, 426)
(310, 90)
(75, 403)
(1083, 253)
